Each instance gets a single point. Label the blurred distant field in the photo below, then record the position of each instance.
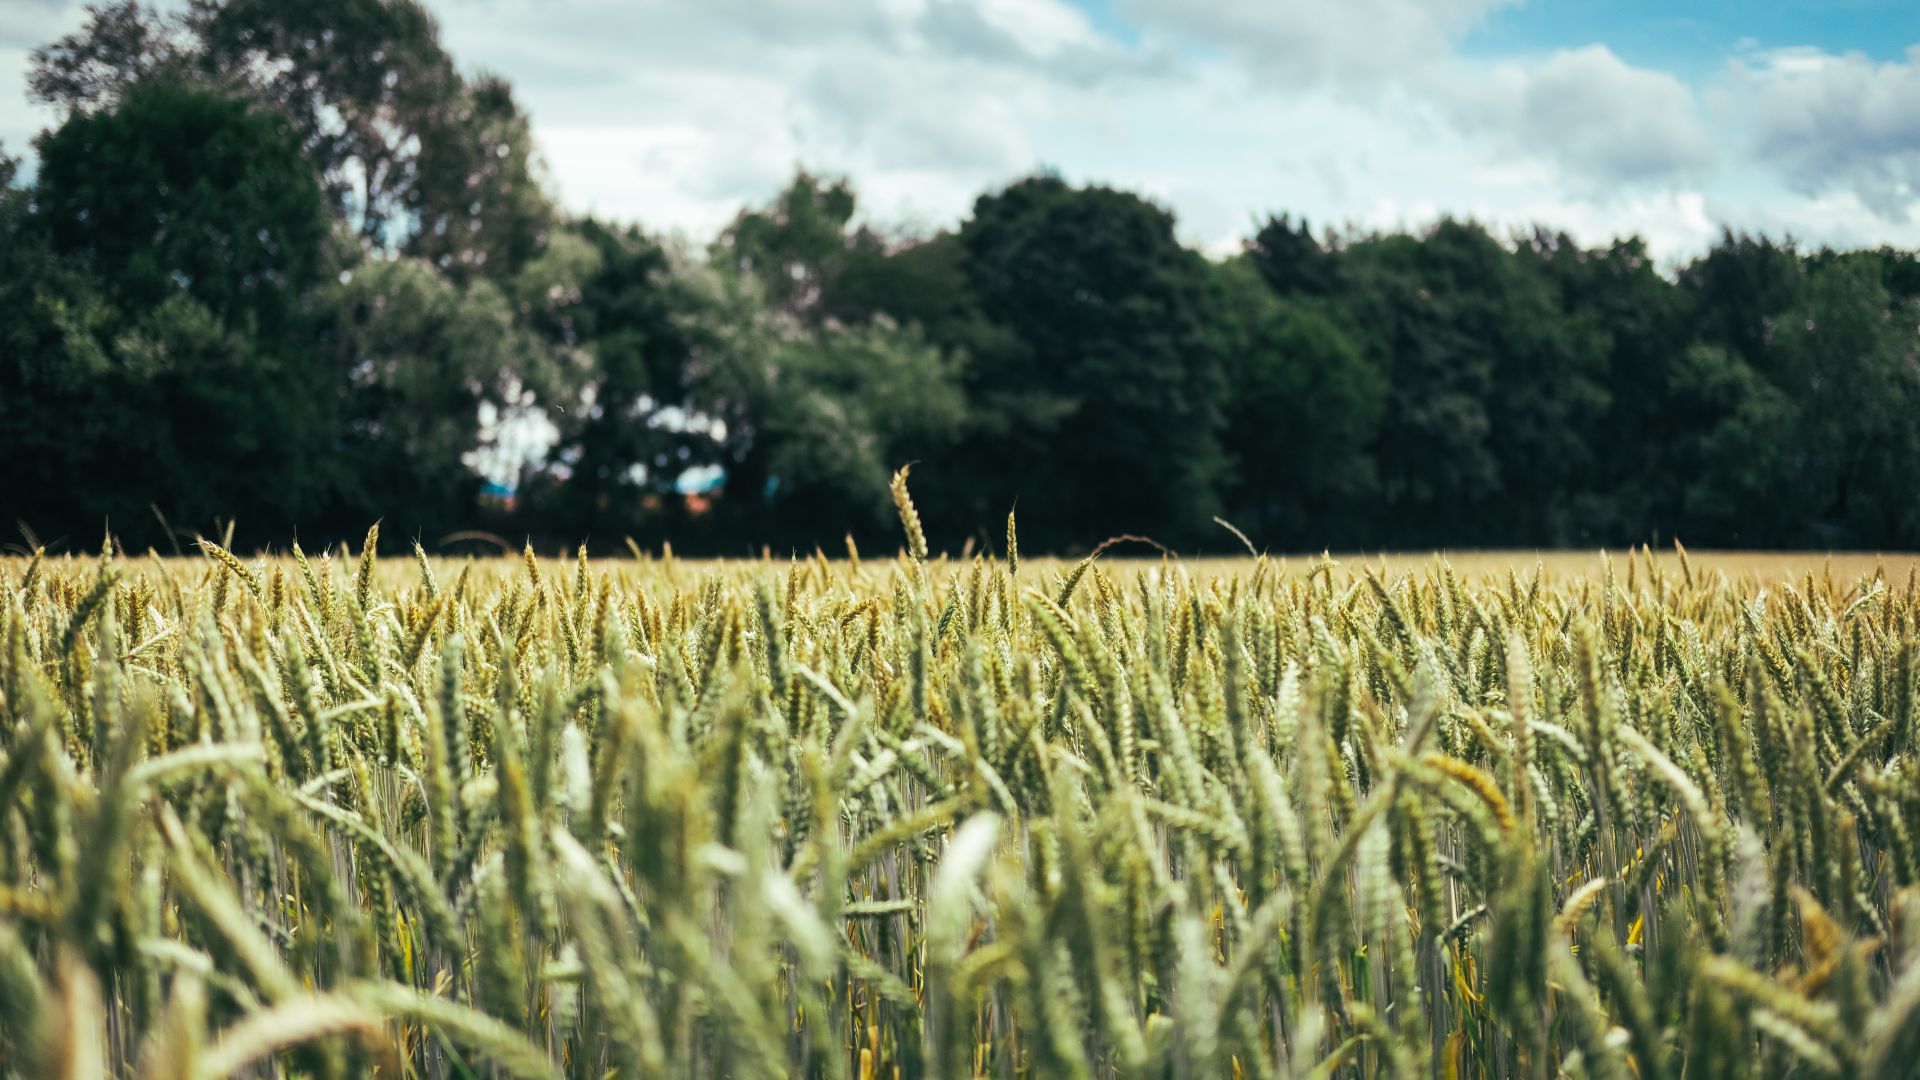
(1738, 567)
(1763, 565)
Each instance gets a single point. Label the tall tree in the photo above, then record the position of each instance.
(808, 422)
(433, 368)
(1849, 354)
(1291, 260)
(181, 189)
(1496, 390)
(1734, 453)
(796, 247)
(1738, 417)
(161, 275)
(1739, 288)
(410, 154)
(1434, 453)
(123, 44)
(1642, 322)
(1550, 394)
(478, 203)
(1095, 404)
(1302, 409)
(611, 298)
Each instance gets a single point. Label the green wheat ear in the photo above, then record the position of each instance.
(909, 517)
(363, 578)
(233, 565)
(1013, 548)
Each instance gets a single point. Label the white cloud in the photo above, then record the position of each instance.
(1350, 113)
(1834, 123)
(1363, 113)
(1355, 43)
(1571, 129)
(1045, 26)
(1607, 121)
(677, 118)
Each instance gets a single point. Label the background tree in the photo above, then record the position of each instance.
(1641, 320)
(798, 247)
(479, 205)
(1435, 450)
(1745, 487)
(1735, 453)
(1291, 261)
(1497, 390)
(181, 189)
(808, 423)
(612, 298)
(409, 153)
(1301, 417)
(1847, 355)
(158, 309)
(122, 45)
(290, 265)
(426, 360)
(1094, 398)
(1550, 396)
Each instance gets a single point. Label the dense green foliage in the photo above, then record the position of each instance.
(336, 817)
(153, 320)
(283, 265)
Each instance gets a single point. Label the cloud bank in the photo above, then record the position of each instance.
(1367, 113)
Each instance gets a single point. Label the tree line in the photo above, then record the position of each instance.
(286, 269)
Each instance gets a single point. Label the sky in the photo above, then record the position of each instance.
(1603, 118)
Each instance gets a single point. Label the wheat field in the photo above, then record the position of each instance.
(335, 816)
